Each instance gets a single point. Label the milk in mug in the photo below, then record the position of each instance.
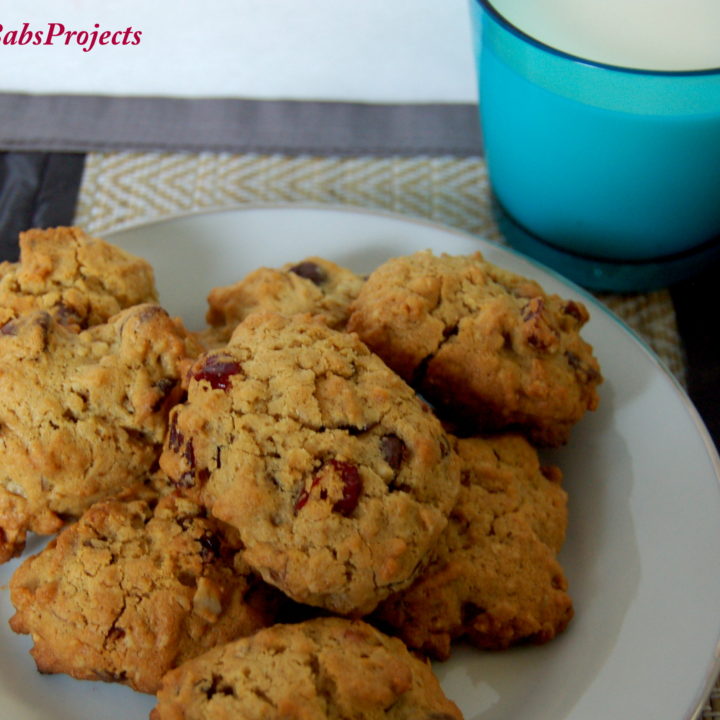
(665, 35)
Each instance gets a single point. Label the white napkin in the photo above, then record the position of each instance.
(363, 50)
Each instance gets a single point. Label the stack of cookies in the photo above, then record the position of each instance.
(286, 514)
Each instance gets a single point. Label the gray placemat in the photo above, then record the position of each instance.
(83, 123)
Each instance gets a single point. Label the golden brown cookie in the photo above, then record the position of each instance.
(337, 476)
(482, 344)
(314, 285)
(495, 578)
(82, 415)
(327, 669)
(134, 589)
(80, 280)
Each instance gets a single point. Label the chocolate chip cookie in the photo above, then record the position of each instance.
(82, 415)
(495, 578)
(80, 280)
(135, 588)
(327, 669)
(337, 476)
(482, 344)
(314, 285)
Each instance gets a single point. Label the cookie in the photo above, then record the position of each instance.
(314, 285)
(134, 589)
(328, 669)
(482, 344)
(337, 476)
(82, 415)
(495, 578)
(80, 280)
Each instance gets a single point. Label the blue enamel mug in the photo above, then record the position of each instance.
(609, 174)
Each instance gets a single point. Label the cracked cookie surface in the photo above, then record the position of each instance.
(494, 578)
(80, 280)
(314, 285)
(135, 588)
(481, 343)
(337, 476)
(82, 415)
(328, 669)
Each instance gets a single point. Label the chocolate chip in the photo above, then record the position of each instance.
(393, 450)
(310, 271)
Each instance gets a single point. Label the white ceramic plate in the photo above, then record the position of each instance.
(641, 472)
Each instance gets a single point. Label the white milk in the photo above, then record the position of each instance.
(648, 34)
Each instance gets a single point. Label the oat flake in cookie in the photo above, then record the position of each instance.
(326, 669)
(481, 343)
(80, 280)
(82, 416)
(494, 578)
(338, 478)
(135, 588)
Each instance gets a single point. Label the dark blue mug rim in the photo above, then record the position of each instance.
(515, 30)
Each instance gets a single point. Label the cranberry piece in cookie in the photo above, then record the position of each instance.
(217, 371)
